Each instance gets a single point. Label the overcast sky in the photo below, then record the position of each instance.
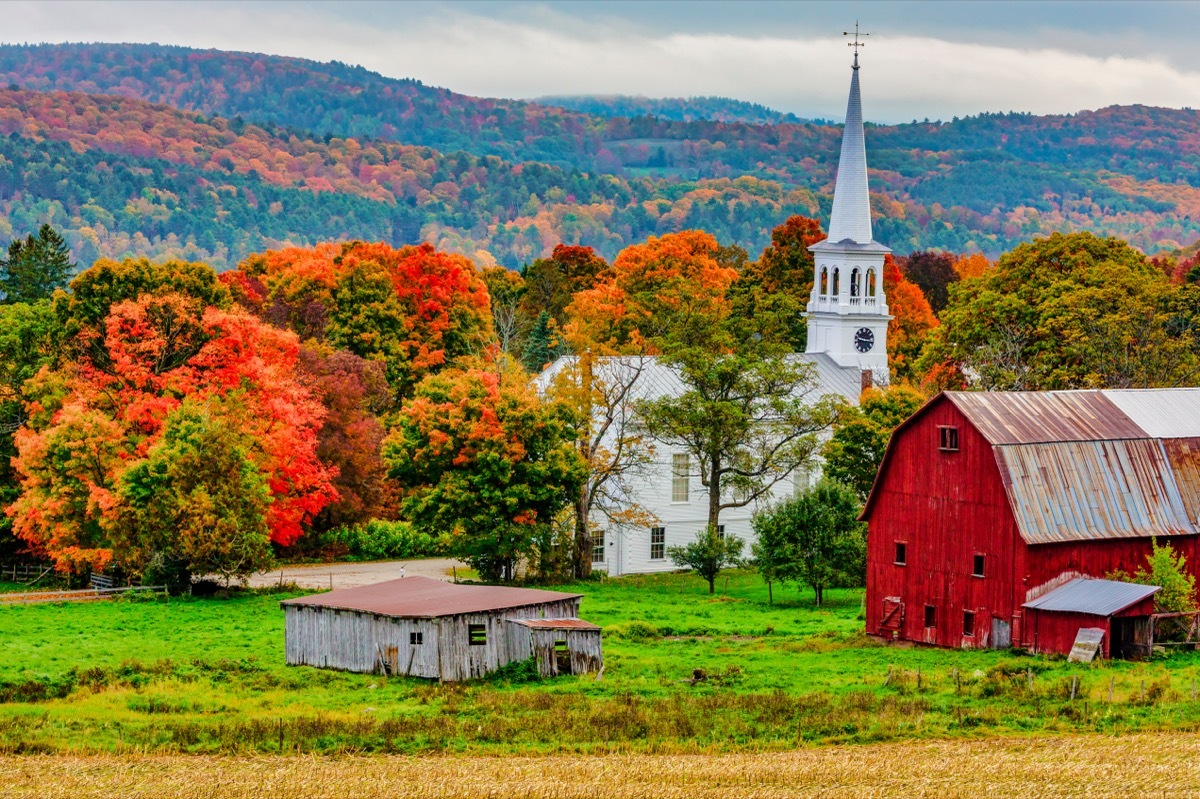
(926, 59)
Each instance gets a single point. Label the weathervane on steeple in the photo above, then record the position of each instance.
(856, 43)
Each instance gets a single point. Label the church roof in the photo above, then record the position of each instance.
(851, 217)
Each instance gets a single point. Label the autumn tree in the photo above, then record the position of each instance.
(932, 272)
(912, 319)
(780, 282)
(35, 267)
(551, 283)
(506, 289)
(601, 392)
(814, 538)
(96, 417)
(1070, 311)
(860, 437)
(482, 458)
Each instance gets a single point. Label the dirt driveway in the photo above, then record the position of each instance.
(349, 575)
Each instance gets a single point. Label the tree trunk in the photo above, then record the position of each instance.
(714, 493)
(581, 565)
(712, 585)
(819, 592)
(770, 595)
(582, 560)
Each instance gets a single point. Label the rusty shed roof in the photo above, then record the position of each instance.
(1094, 597)
(425, 597)
(1087, 490)
(556, 624)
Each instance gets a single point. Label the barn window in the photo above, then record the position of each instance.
(977, 566)
(598, 548)
(416, 639)
(680, 468)
(948, 438)
(931, 615)
(968, 622)
(658, 543)
(477, 634)
(901, 553)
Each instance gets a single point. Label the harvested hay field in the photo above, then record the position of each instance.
(1069, 766)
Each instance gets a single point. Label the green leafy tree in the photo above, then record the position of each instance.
(1168, 570)
(860, 435)
(197, 504)
(35, 267)
(483, 459)
(708, 554)
(813, 538)
(1070, 311)
(932, 272)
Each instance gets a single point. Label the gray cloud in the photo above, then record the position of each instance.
(935, 60)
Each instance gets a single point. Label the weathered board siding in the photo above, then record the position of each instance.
(583, 645)
(357, 640)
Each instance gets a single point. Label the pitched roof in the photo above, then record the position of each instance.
(1085, 465)
(556, 624)
(851, 215)
(1093, 597)
(425, 597)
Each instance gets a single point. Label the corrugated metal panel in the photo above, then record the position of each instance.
(1161, 412)
(1095, 597)
(1028, 417)
(1184, 455)
(556, 624)
(1086, 490)
(424, 597)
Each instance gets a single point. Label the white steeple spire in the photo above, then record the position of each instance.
(847, 311)
(851, 217)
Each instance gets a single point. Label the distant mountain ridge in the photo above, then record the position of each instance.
(679, 109)
(366, 156)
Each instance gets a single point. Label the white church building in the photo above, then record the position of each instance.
(847, 346)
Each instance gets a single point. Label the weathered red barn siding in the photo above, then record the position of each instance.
(948, 507)
(1040, 563)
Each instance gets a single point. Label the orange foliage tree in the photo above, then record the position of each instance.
(91, 422)
(912, 319)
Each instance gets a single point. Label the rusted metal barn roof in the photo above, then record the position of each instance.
(1030, 417)
(1085, 490)
(556, 624)
(1094, 597)
(425, 597)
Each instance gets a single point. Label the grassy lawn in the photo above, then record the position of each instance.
(208, 676)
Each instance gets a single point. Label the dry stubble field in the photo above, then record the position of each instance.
(1091, 766)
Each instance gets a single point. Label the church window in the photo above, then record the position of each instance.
(598, 548)
(837, 282)
(658, 543)
(824, 281)
(854, 283)
(870, 282)
(680, 469)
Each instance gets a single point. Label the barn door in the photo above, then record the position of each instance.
(562, 657)
(892, 619)
(1001, 633)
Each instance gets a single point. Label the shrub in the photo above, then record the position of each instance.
(382, 540)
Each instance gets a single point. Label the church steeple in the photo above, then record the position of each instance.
(848, 312)
(851, 217)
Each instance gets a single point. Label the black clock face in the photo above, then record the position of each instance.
(864, 339)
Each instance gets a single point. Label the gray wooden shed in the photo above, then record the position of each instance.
(421, 627)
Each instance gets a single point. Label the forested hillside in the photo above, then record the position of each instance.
(288, 150)
(679, 109)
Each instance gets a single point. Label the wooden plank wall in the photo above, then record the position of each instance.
(584, 646)
(353, 640)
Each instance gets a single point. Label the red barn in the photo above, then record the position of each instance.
(987, 502)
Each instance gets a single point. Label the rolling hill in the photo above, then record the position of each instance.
(217, 154)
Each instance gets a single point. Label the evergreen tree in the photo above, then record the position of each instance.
(541, 345)
(35, 267)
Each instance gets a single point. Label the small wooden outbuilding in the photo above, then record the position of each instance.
(1120, 611)
(421, 627)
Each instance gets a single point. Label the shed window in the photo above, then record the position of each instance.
(977, 566)
(948, 439)
(968, 622)
(416, 639)
(931, 615)
(901, 553)
(477, 634)
(658, 543)
(680, 469)
(598, 548)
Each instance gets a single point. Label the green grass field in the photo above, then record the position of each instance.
(208, 676)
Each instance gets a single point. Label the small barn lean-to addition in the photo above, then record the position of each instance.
(421, 627)
(988, 507)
